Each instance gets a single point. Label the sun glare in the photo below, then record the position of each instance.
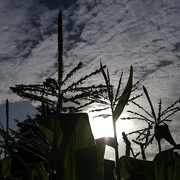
(102, 127)
(124, 126)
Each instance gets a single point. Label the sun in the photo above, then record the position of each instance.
(102, 127)
(126, 126)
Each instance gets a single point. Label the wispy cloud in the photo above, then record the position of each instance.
(28, 47)
(142, 33)
(119, 33)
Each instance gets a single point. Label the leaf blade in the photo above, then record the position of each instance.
(124, 97)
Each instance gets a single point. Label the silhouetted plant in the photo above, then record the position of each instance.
(55, 93)
(5, 133)
(156, 123)
(115, 100)
(65, 140)
(28, 143)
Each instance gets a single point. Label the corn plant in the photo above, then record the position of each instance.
(62, 138)
(53, 94)
(116, 101)
(56, 92)
(165, 165)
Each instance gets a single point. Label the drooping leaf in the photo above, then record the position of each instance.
(135, 168)
(100, 161)
(37, 171)
(86, 163)
(57, 141)
(124, 97)
(74, 154)
(51, 128)
(78, 142)
(5, 167)
(162, 131)
(164, 165)
(177, 166)
(47, 133)
(40, 172)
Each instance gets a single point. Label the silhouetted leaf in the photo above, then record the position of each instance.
(47, 133)
(86, 163)
(164, 165)
(100, 161)
(124, 97)
(37, 171)
(74, 153)
(5, 165)
(77, 140)
(150, 103)
(177, 164)
(135, 169)
(45, 127)
(162, 131)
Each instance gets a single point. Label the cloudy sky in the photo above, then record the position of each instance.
(145, 34)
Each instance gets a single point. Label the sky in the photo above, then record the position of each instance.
(144, 34)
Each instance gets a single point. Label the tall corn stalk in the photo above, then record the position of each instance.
(59, 88)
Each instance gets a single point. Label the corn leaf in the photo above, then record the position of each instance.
(164, 165)
(163, 132)
(124, 97)
(177, 164)
(5, 165)
(131, 168)
(74, 154)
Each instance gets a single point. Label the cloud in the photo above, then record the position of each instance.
(119, 33)
(131, 32)
(142, 33)
(28, 44)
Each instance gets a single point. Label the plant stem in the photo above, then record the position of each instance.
(159, 145)
(116, 148)
(128, 144)
(60, 61)
(7, 126)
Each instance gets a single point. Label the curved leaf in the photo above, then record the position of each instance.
(124, 97)
(37, 170)
(162, 131)
(47, 133)
(164, 165)
(77, 155)
(74, 154)
(177, 164)
(135, 168)
(150, 103)
(5, 165)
